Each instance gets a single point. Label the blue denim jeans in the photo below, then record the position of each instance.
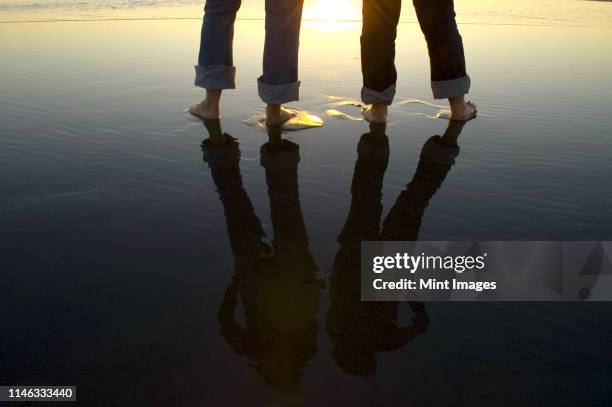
(215, 70)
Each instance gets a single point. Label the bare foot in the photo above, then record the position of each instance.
(461, 110)
(205, 110)
(208, 109)
(376, 113)
(277, 115)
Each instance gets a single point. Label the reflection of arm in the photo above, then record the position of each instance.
(362, 223)
(231, 331)
(404, 334)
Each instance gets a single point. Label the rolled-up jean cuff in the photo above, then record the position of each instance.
(451, 88)
(278, 94)
(215, 76)
(371, 96)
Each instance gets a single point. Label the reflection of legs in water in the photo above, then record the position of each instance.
(277, 144)
(244, 228)
(437, 157)
(360, 330)
(282, 304)
(280, 291)
(281, 165)
(404, 219)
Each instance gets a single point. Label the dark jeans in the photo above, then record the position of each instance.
(447, 60)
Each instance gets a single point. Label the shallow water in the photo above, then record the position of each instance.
(120, 238)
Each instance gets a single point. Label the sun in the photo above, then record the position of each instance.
(331, 11)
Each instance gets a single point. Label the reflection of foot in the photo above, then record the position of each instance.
(376, 113)
(462, 111)
(205, 110)
(275, 138)
(277, 115)
(216, 137)
(376, 137)
(278, 146)
(452, 133)
(280, 159)
(226, 155)
(221, 141)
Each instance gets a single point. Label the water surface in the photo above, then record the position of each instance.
(132, 261)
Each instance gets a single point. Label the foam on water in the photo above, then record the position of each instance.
(336, 114)
(300, 120)
(340, 102)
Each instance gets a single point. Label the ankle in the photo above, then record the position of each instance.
(213, 97)
(273, 109)
(380, 107)
(456, 102)
(210, 104)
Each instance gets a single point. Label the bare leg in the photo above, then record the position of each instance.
(209, 107)
(376, 113)
(275, 115)
(461, 110)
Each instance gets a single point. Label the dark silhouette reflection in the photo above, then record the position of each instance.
(360, 330)
(278, 285)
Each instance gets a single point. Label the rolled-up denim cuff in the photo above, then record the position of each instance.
(215, 76)
(448, 89)
(278, 94)
(371, 96)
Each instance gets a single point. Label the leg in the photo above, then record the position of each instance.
(449, 79)
(215, 70)
(279, 83)
(380, 19)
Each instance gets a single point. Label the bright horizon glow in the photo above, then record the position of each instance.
(332, 15)
(333, 10)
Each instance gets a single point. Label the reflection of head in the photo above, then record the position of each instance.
(281, 373)
(353, 357)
